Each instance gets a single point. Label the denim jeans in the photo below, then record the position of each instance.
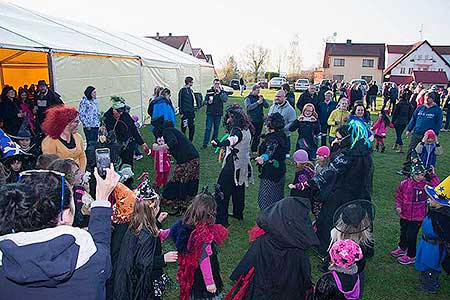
(210, 122)
(399, 131)
(91, 134)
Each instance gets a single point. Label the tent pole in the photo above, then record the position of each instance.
(140, 90)
(51, 70)
(2, 80)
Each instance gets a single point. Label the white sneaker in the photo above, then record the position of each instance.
(138, 157)
(288, 155)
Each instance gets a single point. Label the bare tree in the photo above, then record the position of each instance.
(229, 69)
(320, 55)
(294, 56)
(255, 58)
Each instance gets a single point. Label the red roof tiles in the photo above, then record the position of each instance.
(351, 49)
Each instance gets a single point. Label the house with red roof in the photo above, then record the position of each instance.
(420, 62)
(182, 43)
(348, 61)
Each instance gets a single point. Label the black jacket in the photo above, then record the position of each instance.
(306, 97)
(216, 108)
(373, 90)
(186, 100)
(275, 146)
(290, 97)
(327, 289)
(180, 147)
(402, 113)
(407, 93)
(8, 115)
(306, 132)
(45, 101)
(124, 127)
(355, 95)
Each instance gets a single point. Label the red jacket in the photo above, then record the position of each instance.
(380, 128)
(162, 160)
(411, 198)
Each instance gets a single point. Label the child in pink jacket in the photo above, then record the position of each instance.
(162, 163)
(411, 205)
(380, 129)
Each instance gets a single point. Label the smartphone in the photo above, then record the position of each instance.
(103, 159)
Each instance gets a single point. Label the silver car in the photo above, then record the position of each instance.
(277, 82)
(301, 85)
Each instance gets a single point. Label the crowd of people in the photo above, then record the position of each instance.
(62, 228)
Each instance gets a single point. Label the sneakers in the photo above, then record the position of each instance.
(398, 252)
(406, 260)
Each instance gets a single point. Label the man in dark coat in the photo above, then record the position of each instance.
(186, 107)
(308, 96)
(45, 98)
(214, 99)
(279, 257)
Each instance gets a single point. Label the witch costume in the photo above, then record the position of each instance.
(277, 264)
(272, 172)
(433, 251)
(236, 173)
(139, 271)
(183, 185)
(197, 257)
(348, 177)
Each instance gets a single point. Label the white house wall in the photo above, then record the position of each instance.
(423, 51)
(392, 58)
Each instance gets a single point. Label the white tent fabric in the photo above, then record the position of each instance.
(80, 54)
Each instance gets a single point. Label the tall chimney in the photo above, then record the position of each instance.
(349, 42)
(170, 33)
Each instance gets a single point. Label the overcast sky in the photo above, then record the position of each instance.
(223, 28)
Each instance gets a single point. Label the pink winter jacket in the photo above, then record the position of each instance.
(411, 198)
(379, 128)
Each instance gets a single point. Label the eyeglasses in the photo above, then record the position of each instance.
(62, 175)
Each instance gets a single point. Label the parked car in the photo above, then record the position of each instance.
(228, 90)
(360, 81)
(234, 83)
(277, 82)
(301, 85)
(263, 84)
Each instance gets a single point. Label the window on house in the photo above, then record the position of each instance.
(402, 70)
(426, 56)
(367, 78)
(410, 70)
(420, 56)
(339, 62)
(338, 77)
(368, 63)
(441, 70)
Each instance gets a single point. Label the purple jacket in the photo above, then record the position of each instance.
(411, 198)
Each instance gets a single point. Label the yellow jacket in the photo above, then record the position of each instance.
(52, 146)
(337, 118)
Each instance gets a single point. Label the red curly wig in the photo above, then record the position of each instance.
(57, 118)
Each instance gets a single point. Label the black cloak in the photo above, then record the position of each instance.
(282, 267)
(348, 177)
(133, 274)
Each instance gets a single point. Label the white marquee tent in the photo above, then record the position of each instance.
(72, 55)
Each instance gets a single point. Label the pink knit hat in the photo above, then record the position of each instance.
(301, 156)
(344, 253)
(323, 151)
(430, 134)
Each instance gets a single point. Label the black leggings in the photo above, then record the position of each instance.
(230, 190)
(408, 236)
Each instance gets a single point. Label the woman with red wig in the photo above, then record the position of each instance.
(61, 127)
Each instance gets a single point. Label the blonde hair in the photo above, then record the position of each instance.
(144, 216)
(362, 237)
(314, 113)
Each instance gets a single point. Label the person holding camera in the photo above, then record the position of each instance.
(255, 104)
(214, 99)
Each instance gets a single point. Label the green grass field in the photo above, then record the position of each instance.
(385, 278)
